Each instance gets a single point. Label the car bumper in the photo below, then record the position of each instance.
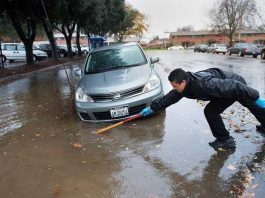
(220, 50)
(41, 57)
(100, 111)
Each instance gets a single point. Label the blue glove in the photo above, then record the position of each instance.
(146, 111)
(260, 102)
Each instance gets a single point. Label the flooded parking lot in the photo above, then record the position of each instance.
(46, 151)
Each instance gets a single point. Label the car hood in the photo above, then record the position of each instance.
(115, 80)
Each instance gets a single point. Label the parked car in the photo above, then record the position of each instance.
(85, 49)
(64, 47)
(217, 48)
(16, 51)
(176, 47)
(262, 53)
(117, 81)
(191, 47)
(48, 49)
(201, 48)
(243, 49)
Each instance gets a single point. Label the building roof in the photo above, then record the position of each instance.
(185, 33)
(195, 33)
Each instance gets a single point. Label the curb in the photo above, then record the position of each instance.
(18, 76)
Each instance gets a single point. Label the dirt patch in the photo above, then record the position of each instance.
(22, 69)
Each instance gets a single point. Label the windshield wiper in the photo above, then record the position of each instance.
(113, 68)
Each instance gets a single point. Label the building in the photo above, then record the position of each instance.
(196, 37)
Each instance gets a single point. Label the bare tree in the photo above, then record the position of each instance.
(187, 28)
(229, 15)
(259, 18)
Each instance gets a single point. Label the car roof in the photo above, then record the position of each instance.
(12, 43)
(114, 46)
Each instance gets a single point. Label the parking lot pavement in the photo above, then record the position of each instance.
(45, 150)
(8, 64)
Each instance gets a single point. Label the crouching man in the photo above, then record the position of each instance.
(222, 89)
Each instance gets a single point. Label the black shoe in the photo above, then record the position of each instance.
(260, 128)
(228, 144)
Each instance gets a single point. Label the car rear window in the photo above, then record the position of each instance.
(114, 59)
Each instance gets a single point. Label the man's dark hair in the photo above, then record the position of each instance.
(177, 75)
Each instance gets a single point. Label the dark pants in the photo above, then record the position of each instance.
(215, 107)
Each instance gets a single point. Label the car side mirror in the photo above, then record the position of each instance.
(77, 72)
(154, 60)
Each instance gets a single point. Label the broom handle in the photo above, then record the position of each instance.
(117, 124)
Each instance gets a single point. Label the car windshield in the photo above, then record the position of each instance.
(114, 59)
(248, 45)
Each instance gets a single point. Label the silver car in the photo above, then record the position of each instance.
(117, 82)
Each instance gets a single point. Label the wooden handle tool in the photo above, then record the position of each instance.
(103, 130)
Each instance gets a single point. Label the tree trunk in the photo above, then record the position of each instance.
(69, 46)
(78, 40)
(49, 34)
(67, 30)
(29, 52)
(28, 37)
(230, 39)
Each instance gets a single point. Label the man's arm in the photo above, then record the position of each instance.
(228, 88)
(170, 98)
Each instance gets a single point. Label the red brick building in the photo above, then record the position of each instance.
(196, 37)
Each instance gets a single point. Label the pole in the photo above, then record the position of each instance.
(1, 56)
(103, 130)
(165, 40)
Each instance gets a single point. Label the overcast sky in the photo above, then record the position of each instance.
(168, 15)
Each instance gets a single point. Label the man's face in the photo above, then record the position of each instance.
(179, 87)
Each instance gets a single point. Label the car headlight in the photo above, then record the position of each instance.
(153, 83)
(81, 96)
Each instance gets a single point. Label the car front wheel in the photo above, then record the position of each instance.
(34, 58)
(3, 58)
(241, 54)
(263, 55)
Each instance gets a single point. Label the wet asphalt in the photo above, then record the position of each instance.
(46, 151)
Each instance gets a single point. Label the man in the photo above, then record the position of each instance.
(222, 89)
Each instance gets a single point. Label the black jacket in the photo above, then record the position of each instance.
(207, 85)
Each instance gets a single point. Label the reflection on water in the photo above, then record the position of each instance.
(166, 155)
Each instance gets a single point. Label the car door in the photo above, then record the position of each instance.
(21, 52)
(234, 50)
(10, 51)
(238, 48)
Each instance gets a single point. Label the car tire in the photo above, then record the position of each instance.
(223, 53)
(230, 53)
(3, 58)
(34, 58)
(241, 54)
(61, 55)
(262, 55)
(255, 56)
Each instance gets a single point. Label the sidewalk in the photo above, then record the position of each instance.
(23, 70)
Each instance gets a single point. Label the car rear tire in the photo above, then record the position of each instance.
(241, 54)
(34, 58)
(255, 56)
(223, 53)
(263, 55)
(61, 55)
(3, 58)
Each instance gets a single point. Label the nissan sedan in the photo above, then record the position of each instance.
(117, 82)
